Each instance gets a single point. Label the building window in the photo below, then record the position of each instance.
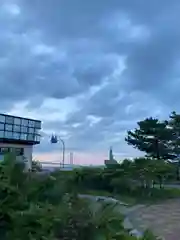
(16, 135)
(8, 134)
(23, 136)
(31, 130)
(37, 138)
(19, 151)
(30, 137)
(38, 124)
(4, 150)
(24, 122)
(24, 129)
(9, 127)
(2, 118)
(11, 150)
(1, 134)
(31, 123)
(17, 121)
(16, 128)
(1, 126)
(36, 131)
(9, 120)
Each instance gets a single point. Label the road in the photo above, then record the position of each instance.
(172, 186)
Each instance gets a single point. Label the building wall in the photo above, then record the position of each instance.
(27, 152)
(110, 162)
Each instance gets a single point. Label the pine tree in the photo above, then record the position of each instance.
(174, 125)
(152, 137)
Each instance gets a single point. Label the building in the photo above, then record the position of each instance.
(18, 135)
(111, 160)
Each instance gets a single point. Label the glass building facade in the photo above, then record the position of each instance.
(17, 129)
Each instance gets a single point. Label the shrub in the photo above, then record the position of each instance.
(36, 166)
(34, 207)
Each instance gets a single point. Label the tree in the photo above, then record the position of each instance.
(153, 137)
(174, 126)
(36, 166)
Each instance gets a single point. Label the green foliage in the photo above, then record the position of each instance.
(158, 139)
(174, 125)
(140, 180)
(152, 137)
(45, 207)
(36, 166)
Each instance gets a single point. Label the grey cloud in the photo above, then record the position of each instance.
(80, 45)
(46, 74)
(151, 65)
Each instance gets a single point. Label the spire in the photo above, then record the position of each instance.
(111, 157)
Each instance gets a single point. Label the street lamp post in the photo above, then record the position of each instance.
(63, 144)
(54, 139)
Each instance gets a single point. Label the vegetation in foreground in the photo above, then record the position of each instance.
(39, 207)
(46, 207)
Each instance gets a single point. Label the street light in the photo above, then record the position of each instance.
(55, 139)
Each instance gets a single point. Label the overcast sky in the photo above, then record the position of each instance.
(89, 69)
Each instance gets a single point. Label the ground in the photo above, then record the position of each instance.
(163, 219)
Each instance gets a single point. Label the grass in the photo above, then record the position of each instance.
(157, 195)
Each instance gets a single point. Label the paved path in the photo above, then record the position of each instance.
(163, 219)
(172, 186)
(177, 186)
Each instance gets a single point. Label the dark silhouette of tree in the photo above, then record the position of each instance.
(152, 137)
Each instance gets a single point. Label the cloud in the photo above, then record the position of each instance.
(90, 70)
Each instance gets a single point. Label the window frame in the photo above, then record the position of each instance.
(10, 130)
(18, 134)
(8, 134)
(24, 134)
(24, 122)
(18, 126)
(19, 121)
(8, 118)
(3, 120)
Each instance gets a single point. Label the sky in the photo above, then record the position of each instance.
(89, 70)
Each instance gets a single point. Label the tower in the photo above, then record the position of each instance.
(111, 157)
(111, 160)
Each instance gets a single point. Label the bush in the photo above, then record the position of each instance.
(36, 166)
(34, 207)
